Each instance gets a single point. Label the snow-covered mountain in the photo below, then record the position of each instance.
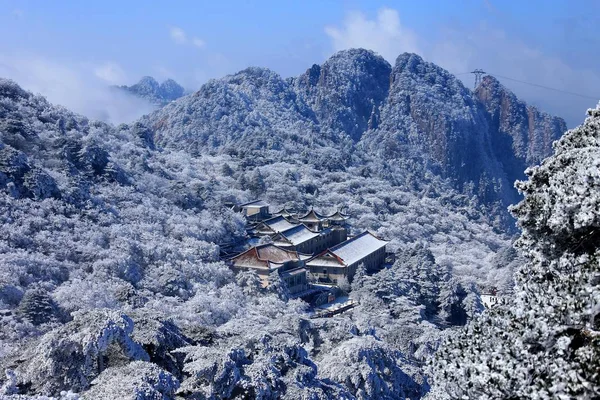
(482, 141)
(111, 283)
(158, 94)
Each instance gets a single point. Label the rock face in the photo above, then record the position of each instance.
(480, 140)
(429, 112)
(347, 91)
(522, 135)
(159, 94)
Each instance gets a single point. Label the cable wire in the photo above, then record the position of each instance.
(546, 87)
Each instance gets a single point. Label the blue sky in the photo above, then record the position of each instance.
(70, 50)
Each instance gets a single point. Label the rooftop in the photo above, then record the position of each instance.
(358, 247)
(263, 255)
(279, 224)
(311, 216)
(299, 234)
(350, 251)
(337, 216)
(255, 203)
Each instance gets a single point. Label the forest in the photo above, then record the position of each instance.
(111, 284)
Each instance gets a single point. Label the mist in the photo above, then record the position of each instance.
(80, 87)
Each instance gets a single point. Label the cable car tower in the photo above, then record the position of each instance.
(478, 74)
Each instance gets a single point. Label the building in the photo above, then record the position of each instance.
(336, 219)
(313, 220)
(257, 210)
(302, 239)
(272, 226)
(267, 258)
(296, 236)
(342, 260)
(489, 297)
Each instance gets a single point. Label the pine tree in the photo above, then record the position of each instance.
(544, 343)
(38, 307)
(257, 183)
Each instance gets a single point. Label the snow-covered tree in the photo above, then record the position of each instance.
(544, 342)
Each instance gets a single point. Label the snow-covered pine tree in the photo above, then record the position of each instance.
(544, 342)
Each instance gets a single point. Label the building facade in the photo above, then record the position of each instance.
(342, 260)
(268, 258)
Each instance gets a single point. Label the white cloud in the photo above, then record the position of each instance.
(178, 35)
(198, 42)
(110, 72)
(384, 35)
(74, 86)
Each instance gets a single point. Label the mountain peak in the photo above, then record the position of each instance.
(347, 91)
(521, 129)
(148, 81)
(159, 94)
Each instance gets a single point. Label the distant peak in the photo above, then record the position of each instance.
(357, 55)
(410, 59)
(148, 80)
(258, 75)
(159, 94)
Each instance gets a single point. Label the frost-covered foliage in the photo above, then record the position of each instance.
(110, 278)
(544, 343)
(137, 380)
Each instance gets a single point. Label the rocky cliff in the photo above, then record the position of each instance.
(355, 101)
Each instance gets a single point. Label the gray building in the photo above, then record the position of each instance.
(343, 259)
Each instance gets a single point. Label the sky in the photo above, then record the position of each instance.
(71, 51)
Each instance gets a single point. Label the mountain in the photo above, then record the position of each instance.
(346, 92)
(111, 280)
(481, 141)
(159, 94)
(523, 135)
(111, 284)
(253, 109)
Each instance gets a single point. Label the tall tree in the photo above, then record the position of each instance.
(544, 342)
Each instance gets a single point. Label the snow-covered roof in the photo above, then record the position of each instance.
(299, 234)
(255, 203)
(284, 211)
(337, 216)
(326, 259)
(358, 247)
(263, 256)
(349, 252)
(311, 216)
(279, 224)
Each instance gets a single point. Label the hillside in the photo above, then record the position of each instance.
(357, 103)
(109, 252)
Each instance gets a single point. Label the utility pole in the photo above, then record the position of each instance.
(478, 73)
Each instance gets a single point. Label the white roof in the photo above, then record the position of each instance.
(357, 248)
(299, 234)
(324, 261)
(255, 203)
(279, 224)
